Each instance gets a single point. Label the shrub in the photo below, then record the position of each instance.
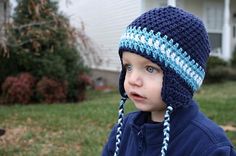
(231, 73)
(217, 70)
(77, 87)
(43, 44)
(214, 61)
(8, 67)
(233, 59)
(51, 91)
(18, 89)
(218, 74)
(83, 81)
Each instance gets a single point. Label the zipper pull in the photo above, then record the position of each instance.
(140, 140)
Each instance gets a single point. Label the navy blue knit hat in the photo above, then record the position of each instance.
(178, 42)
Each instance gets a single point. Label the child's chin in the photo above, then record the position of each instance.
(142, 107)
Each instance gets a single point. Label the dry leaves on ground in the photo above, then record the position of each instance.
(229, 128)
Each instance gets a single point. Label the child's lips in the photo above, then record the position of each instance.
(137, 97)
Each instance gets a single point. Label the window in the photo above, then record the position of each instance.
(213, 19)
(214, 14)
(215, 42)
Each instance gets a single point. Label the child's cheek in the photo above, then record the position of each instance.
(126, 85)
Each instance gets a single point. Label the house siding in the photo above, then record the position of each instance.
(105, 20)
(233, 22)
(4, 15)
(104, 23)
(197, 8)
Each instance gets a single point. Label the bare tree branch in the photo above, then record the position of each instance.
(88, 49)
(33, 24)
(3, 46)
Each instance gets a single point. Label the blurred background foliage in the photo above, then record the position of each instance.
(219, 70)
(41, 42)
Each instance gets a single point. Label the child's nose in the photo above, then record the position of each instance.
(135, 78)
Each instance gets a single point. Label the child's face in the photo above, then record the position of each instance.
(143, 83)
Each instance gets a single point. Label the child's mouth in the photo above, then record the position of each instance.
(136, 97)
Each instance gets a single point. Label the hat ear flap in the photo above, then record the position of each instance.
(121, 83)
(175, 91)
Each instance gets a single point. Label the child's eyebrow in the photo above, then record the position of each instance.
(149, 62)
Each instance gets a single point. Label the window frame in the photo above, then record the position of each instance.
(217, 6)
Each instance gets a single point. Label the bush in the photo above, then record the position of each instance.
(233, 59)
(82, 82)
(218, 74)
(217, 70)
(215, 61)
(231, 73)
(44, 44)
(8, 67)
(18, 89)
(51, 91)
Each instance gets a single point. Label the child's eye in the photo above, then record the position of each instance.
(151, 69)
(128, 67)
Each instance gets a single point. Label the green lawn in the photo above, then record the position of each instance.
(82, 129)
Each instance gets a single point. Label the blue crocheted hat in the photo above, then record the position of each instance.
(178, 42)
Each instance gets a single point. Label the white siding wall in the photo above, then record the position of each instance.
(1, 12)
(233, 22)
(105, 20)
(104, 23)
(151, 4)
(4, 15)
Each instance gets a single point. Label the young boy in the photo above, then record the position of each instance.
(164, 54)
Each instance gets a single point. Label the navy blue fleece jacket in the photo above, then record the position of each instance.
(191, 134)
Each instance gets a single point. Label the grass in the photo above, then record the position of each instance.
(82, 129)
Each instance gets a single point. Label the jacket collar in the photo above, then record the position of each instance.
(153, 133)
